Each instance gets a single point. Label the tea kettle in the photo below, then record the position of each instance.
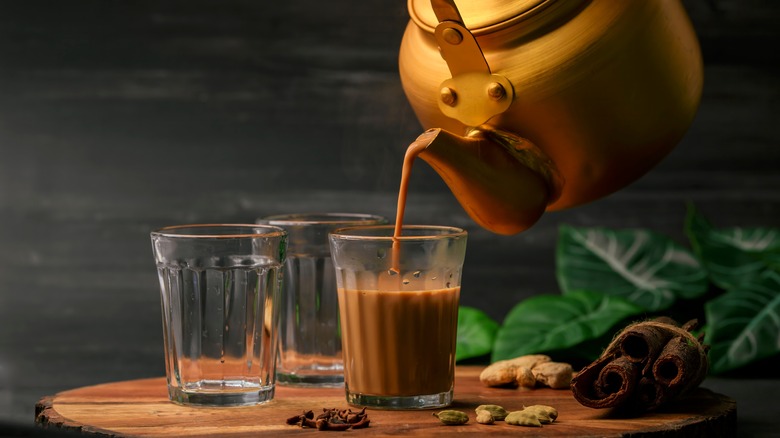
(541, 105)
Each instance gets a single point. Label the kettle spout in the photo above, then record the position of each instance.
(502, 181)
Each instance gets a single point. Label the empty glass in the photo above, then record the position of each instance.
(310, 348)
(220, 290)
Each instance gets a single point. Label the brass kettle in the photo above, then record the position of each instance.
(536, 105)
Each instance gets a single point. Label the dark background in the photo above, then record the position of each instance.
(117, 117)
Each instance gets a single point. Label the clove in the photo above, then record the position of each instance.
(362, 423)
(331, 419)
(300, 419)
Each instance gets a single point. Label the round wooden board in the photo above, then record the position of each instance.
(141, 408)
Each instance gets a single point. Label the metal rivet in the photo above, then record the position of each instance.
(452, 36)
(496, 91)
(448, 96)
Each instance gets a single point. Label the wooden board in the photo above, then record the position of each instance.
(141, 408)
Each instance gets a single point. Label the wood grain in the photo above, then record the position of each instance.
(141, 408)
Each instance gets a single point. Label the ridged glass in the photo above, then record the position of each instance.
(310, 351)
(398, 301)
(220, 291)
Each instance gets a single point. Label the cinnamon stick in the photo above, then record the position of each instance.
(680, 365)
(617, 380)
(646, 365)
(583, 384)
(643, 343)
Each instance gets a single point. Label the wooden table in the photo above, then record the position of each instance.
(141, 408)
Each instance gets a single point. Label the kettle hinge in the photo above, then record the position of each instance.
(473, 94)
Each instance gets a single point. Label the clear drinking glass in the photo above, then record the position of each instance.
(399, 313)
(310, 346)
(220, 290)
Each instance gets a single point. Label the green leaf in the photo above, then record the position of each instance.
(743, 325)
(476, 333)
(646, 268)
(553, 322)
(733, 256)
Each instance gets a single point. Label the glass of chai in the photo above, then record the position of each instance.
(398, 301)
(220, 287)
(310, 335)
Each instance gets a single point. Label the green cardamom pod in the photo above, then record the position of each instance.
(452, 418)
(521, 418)
(498, 412)
(541, 416)
(546, 414)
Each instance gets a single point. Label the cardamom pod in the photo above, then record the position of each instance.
(497, 412)
(522, 418)
(548, 412)
(452, 417)
(540, 415)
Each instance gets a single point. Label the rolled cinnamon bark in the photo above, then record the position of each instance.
(608, 382)
(616, 381)
(643, 343)
(681, 365)
(584, 384)
(647, 365)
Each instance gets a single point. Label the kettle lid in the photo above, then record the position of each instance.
(479, 16)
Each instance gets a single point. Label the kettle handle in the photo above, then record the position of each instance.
(446, 10)
(473, 94)
(458, 46)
